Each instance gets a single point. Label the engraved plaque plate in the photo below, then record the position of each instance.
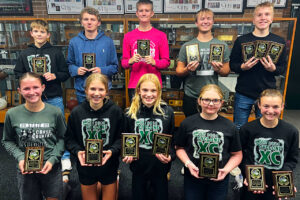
(89, 60)
(143, 47)
(283, 183)
(130, 145)
(34, 157)
(216, 53)
(39, 65)
(255, 175)
(261, 49)
(93, 151)
(192, 53)
(161, 144)
(275, 51)
(248, 50)
(209, 165)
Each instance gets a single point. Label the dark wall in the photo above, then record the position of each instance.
(293, 88)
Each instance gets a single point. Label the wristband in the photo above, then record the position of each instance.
(187, 163)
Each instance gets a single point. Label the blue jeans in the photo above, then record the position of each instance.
(242, 108)
(80, 98)
(204, 189)
(58, 102)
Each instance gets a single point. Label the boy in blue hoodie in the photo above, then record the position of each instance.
(91, 40)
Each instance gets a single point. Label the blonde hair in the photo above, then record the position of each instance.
(210, 87)
(96, 77)
(91, 11)
(136, 100)
(203, 11)
(270, 93)
(264, 5)
(39, 24)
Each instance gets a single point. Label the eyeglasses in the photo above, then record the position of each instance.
(214, 101)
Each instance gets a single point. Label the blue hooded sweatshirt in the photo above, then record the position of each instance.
(106, 57)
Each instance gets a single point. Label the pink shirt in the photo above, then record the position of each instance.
(159, 50)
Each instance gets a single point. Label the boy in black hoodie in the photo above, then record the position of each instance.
(55, 73)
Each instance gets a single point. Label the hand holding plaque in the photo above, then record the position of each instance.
(255, 175)
(39, 65)
(216, 53)
(130, 145)
(89, 60)
(283, 184)
(93, 151)
(161, 144)
(34, 157)
(192, 53)
(209, 165)
(143, 47)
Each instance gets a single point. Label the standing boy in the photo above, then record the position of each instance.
(255, 75)
(91, 40)
(159, 48)
(199, 73)
(56, 70)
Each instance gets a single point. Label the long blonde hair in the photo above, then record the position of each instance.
(136, 100)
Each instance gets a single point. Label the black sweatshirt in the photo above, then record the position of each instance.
(253, 81)
(146, 124)
(275, 148)
(106, 123)
(56, 64)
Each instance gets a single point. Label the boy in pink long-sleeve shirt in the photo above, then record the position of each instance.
(159, 49)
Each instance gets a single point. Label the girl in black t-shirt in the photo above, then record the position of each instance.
(210, 133)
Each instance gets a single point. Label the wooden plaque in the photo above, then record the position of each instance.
(39, 65)
(248, 50)
(283, 183)
(192, 53)
(261, 48)
(216, 53)
(130, 145)
(275, 51)
(34, 157)
(209, 165)
(89, 60)
(93, 151)
(255, 175)
(161, 144)
(143, 47)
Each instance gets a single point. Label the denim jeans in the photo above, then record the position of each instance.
(242, 108)
(204, 189)
(80, 98)
(58, 102)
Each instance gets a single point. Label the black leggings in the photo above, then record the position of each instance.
(158, 184)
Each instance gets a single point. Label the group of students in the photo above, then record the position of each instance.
(37, 123)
